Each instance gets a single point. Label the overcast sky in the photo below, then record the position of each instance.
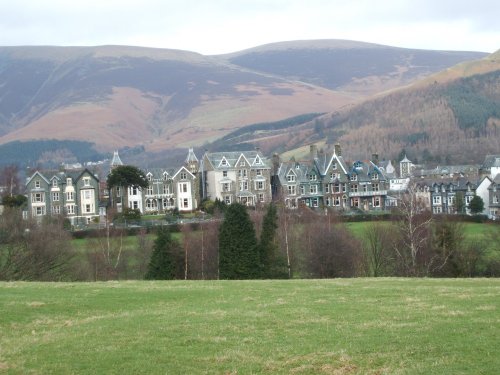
(221, 26)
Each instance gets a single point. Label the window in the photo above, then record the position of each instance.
(185, 203)
(365, 188)
(374, 176)
(56, 210)
(242, 173)
(313, 177)
(134, 205)
(258, 172)
(315, 202)
(70, 209)
(134, 190)
(291, 190)
(437, 209)
(86, 181)
(183, 176)
(118, 192)
(376, 201)
(88, 194)
(344, 188)
(225, 187)
(149, 190)
(302, 189)
(468, 198)
(375, 187)
(68, 182)
(70, 196)
(149, 176)
(224, 173)
(334, 166)
(244, 185)
(313, 189)
(436, 199)
(227, 199)
(54, 183)
(39, 211)
(55, 196)
(327, 188)
(242, 163)
(166, 189)
(165, 176)
(224, 162)
(261, 197)
(37, 184)
(336, 188)
(333, 176)
(260, 185)
(290, 178)
(354, 177)
(354, 188)
(355, 202)
(184, 187)
(88, 208)
(336, 201)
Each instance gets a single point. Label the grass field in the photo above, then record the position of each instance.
(348, 326)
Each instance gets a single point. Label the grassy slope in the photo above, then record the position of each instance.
(377, 326)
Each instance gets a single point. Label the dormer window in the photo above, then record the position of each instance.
(54, 183)
(313, 177)
(374, 176)
(258, 160)
(149, 176)
(37, 184)
(183, 176)
(68, 181)
(290, 177)
(165, 176)
(333, 176)
(354, 177)
(242, 163)
(224, 162)
(334, 166)
(86, 181)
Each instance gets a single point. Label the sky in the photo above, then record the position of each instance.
(223, 26)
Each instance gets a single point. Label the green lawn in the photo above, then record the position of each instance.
(348, 326)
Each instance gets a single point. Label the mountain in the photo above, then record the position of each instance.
(361, 69)
(160, 99)
(125, 96)
(450, 117)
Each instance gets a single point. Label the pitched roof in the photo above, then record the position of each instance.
(191, 156)
(116, 161)
(231, 158)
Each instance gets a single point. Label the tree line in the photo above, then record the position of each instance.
(240, 243)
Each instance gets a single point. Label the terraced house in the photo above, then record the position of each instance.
(74, 194)
(243, 177)
(327, 181)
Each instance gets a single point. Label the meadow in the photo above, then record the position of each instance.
(339, 326)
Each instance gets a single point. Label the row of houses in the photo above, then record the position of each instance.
(323, 180)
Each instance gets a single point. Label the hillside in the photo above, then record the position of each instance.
(454, 116)
(116, 96)
(160, 99)
(361, 69)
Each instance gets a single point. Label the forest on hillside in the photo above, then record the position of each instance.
(456, 122)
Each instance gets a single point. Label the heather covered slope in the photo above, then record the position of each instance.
(117, 96)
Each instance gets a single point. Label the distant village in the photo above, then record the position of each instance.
(325, 180)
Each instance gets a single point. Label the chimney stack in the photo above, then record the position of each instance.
(337, 150)
(313, 149)
(375, 159)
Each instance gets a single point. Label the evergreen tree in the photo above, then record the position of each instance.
(273, 266)
(238, 253)
(476, 205)
(163, 263)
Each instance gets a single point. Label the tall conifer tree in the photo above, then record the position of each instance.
(238, 253)
(163, 263)
(273, 265)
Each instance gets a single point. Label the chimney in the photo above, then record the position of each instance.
(337, 150)
(375, 159)
(313, 149)
(276, 163)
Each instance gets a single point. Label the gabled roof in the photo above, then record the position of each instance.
(37, 173)
(215, 159)
(185, 170)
